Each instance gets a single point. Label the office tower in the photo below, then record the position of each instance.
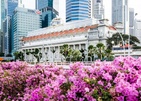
(131, 21)
(12, 4)
(98, 9)
(2, 18)
(47, 11)
(10, 7)
(120, 13)
(137, 29)
(23, 21)
(78, 10)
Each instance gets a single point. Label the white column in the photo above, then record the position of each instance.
(79, 46)
(73, 46)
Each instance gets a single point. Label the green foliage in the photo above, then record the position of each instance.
(116, 38)
(19, 55)
(70, 54)
(65, 87)
(77, 56)
(101, 52)
(136, 47)
(8, 55)
(64, 50)
(2, 54)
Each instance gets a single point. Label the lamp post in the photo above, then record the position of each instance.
(122, 43)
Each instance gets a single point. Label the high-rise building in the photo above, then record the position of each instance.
(2, 18)
(137, 29)
(10, 6)
(78, 10)
(23, 21)
(120, 13)
(131, 20)
(47, 11)
(98, 9)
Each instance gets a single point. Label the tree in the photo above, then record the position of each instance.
(91, 51)
(116, 38)
(65, 50)
(76, 55)
(19, 55)
(109, 54)
(100, 50)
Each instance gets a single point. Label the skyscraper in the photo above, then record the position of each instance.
(98, 9)
(10, 5)
(78, 10)
(120, 13)
(2, 18)
(131, 21)
(23, 21)
(137, 29)
(47, 11)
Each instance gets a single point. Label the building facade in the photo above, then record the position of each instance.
(78, 10)
(98, 9)
(12, 4)
(120, 13)
(10, 7)
(137, 29)
(77, 34)
(2, 18)
(23, 21)
(131, 21)
(47, 11)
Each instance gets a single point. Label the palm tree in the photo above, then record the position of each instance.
(109, 54)
(100, 50)
(91, 51)
(76, 55)
(65, 50)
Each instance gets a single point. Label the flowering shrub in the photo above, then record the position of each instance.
(119, 80)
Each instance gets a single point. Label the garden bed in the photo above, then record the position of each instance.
(119, 80)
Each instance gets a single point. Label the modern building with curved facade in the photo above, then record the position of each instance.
(78, 10)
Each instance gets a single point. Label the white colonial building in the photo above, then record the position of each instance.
(77, 34)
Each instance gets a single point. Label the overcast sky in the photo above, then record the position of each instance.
(107, 4)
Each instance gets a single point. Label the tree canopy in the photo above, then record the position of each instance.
(116, 39)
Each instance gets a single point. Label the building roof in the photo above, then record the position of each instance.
(61, 33)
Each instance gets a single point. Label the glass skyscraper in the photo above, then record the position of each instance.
(46, 8)
(2, 18)
(78, 10)
(23, 21)
(12, 4)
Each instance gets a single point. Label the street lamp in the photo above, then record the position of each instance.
(122, 43)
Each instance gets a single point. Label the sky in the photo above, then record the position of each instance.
(107, 4)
